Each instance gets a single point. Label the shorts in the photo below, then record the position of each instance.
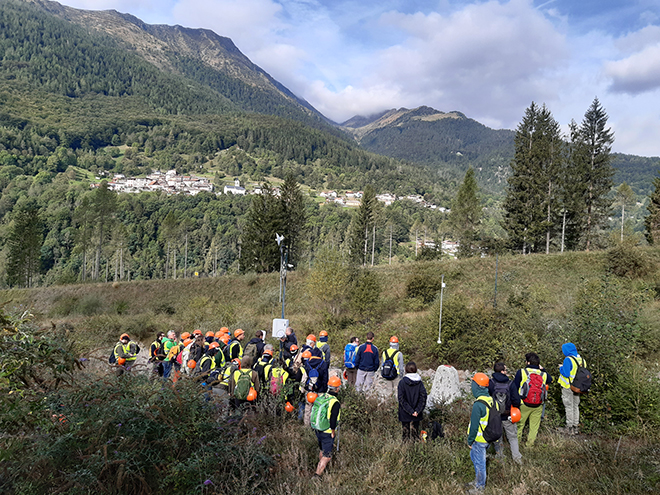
(325, 442)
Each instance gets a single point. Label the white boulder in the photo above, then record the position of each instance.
(446, 386)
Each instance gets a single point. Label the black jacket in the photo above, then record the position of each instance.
(412, 398)
(514, 399)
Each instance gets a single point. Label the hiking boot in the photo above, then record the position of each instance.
(475, 491)
(518, 461)
(565, 430)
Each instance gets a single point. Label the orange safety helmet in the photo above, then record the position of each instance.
(269, 352)
(306, 355)
(210, 334)
(125, 335)
(218, 334)
(185, 335)
(334, 382)
(238, 332)
(224, 338)
(121, 361)
(197, 332)
(192, 363)
(394, 339)
(236, 361)
(311, 397)
(481, 379)
(224, 330)
(323, 333)
(293, 348)
(187, 342)
(289, 407)
(252, 394)
(515, 414)
(214, 345)
(311, 336)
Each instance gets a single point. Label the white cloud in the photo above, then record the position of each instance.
(639, 69)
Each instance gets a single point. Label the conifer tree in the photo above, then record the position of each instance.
(259, 251)
(466, 214)
(24, 245)
(591, 159)
(652, 221)
(362, 225)
(292, 206)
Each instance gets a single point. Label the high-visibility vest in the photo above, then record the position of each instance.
(483, 421)
(232, 346)
(566, 381)
(395, 358)
(204, 360)
(331, 401)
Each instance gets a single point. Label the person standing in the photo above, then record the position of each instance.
(235, 350)
(323, 345)
(531, 383)
(503, 391)
(366, 362)
(325, 421)
(481, 409)
(156, 355)
(412, 401)
(125, 352)
(571, 400)
(350, 350)
(392, 368)
(240, 383)
(168, 343)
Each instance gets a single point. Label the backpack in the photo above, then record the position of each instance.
(502, 395)
(174, 352)
(389, 371)
(437, 431)
(319, 415)
(582, 381)
(533, 391)
(112, 359)
(349, 356)
(251, 351)
(493, 430)
(243, 384)
(276, 380)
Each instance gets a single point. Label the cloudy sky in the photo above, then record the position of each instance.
(487, 59)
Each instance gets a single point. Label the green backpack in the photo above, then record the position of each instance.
(243, 384)
(319, 416)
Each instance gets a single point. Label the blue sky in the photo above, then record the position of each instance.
(487, 59)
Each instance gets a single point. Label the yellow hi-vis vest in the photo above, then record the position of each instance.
(483, 421)
(525, 372)
(126, 351)
(331, 402)
(231, 350)
(204, 360)
(575, 362)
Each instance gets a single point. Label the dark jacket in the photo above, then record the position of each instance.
(514, 399)
(518, 379)
(290, 340)
(412, 398)
(318, 363)
(367, 357)
(260, 346)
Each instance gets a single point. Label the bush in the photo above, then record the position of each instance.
(423, 286)
(625, 260)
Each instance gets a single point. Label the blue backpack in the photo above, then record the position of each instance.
(349, 355)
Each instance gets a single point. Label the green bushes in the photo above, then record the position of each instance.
(625, 260)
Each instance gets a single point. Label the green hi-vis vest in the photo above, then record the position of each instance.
(576, 361)
(483, 421)
(320, 416)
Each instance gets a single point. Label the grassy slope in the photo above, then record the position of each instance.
(372, 459)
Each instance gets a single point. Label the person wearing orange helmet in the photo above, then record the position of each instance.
(235, 351)
(485, 418)
(126, 350)
(502, 389)
(324, 347)
(265, 360)
(392, 367)
(240, 383)
(325, 421)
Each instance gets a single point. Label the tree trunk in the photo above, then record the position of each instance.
(97, 266)
(373, 244)
(185, 259)
(563, 231)
(623, 212)
(116, 264)
(390, 244)
(174, 263)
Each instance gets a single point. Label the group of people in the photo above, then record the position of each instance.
(302, 375)
(503, 406)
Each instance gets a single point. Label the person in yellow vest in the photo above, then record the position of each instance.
(240, 383)
(532, 383)
(325, 421)
(571, 400)
(478, 421)
(323, 345)
(235, 351)
(392, 357)
(126, 352)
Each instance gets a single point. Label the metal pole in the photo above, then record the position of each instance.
(495, 300)
(442, 286)
(286, 260)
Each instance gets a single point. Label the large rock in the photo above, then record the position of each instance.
(446, 386)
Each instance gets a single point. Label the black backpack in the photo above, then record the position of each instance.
(502, 395)
(493, 430)
(582, 381)
(389, 371)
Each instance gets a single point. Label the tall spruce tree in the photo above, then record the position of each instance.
(292, 206)
(24, 245)
(652, 221)
(362, 227)
(531, 203)
(104, 207)
(591, 158)
(260, 252)
(466, 214)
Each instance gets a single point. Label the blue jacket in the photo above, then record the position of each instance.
(367, 357)
(568, 349)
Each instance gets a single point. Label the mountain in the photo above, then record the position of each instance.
(448, 140)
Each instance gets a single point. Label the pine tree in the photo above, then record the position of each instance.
(591, 158)
(652, 221)
(24, 245)
(466, 214)
(104, 206)
(362, 227)
(293, 216)
(259, 251)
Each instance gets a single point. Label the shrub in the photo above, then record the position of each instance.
(423, 286)
(89, 305)
(625, 260)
